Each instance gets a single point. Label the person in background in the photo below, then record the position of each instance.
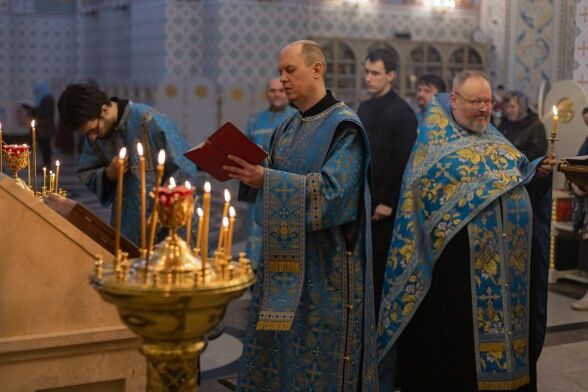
(109, 125)
(44, 114)
(260, 129)
(391, 126)
(427, 86)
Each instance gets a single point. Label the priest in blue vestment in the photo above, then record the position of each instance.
(109, 125)
(456, 298)
(260, 129)
(311, 323)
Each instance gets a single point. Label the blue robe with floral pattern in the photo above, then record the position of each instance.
(458, 179)
(260, 129)
(155, 131)
(311, 323)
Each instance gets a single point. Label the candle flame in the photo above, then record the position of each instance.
(227, 196)
(25, 145)
(57, 163)
(232, 212)
(44, 169)
(207, 187)
(554, 110)
(123, 153)
(188, 185)
(161, 157)
(200, 212)
(225, 222)
(172, 183)
(50, 172)
(33, 124)
(0, 127)
(140, 149)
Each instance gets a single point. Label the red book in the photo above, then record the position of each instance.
(212, 154)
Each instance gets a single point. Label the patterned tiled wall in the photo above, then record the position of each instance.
(534, 45)
(493, 24)
(34, 48)
(241, 39)
(148, 42)
(581, 45)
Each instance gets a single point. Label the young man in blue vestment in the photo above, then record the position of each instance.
(109, 125)
(456, 301)
(311, 325)
(260, 129)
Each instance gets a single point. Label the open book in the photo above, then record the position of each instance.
(212, 154)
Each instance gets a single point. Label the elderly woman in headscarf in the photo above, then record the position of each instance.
(523, 128)
(44, 114)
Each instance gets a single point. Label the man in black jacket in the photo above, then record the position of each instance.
(392, 129)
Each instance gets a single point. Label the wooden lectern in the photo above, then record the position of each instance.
(56, 334)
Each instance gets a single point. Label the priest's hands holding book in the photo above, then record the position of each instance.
(250, 175)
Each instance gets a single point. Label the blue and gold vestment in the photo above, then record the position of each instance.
(456, 178)
(311, 324)
(155, 131)
(260, 129)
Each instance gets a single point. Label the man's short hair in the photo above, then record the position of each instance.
(584, 111)
(312, 53)
(387, 57)
(432, 81)
(80, 103)
(466, 74)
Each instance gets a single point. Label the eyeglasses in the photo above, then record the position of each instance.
(477, 102)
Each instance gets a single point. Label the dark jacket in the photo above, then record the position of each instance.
(391, 126)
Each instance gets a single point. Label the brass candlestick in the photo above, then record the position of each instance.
(173, 299)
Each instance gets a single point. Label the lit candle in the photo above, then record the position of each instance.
(44, 178)
(206, 210)
(189, 223)
(51, 180)
(200, 220)
(229, 239)
(552, 140)
(225, 233)
(119, 194)
(57, 164)
(225, 213)
(34, 138)
(172, 183)
(143, 196)
(153, 222)
(1, 148)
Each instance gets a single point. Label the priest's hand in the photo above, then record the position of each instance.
(545, 167)
(382, 211)
(250, 175)
(112, 169)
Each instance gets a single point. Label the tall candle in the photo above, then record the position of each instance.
(229, 239)
(143, 196)
(51, 180)
(206, 210)
(44, 178)
(119, 194)
(225, 234)
(34, 138)
(57, 164)
(153, 222)
(200, 222)
(551, 152)
(189, 223)
(225, 213)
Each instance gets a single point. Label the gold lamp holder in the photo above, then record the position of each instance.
(17, 158)
(171, 300)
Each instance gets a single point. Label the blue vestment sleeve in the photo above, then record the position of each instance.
(333, 194)
(166, 136)
(91, 172)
